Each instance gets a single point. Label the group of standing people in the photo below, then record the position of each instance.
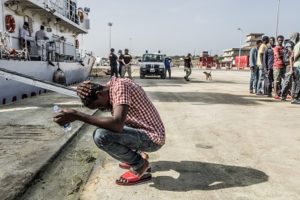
(121, 64)
(40, 40)
(275, 64)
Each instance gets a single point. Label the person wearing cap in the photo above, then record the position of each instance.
(288, 56)
(134, 127)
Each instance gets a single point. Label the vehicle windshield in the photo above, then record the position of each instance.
(153, 58)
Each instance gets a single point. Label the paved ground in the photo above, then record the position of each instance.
(222, 143)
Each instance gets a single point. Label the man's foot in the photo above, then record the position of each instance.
(269, 95)
(283, 99)
(251, 92)
(277, 97)
(134, 177)
(127, 166)
(259, 93)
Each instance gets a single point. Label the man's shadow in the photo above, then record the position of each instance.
(204, 176)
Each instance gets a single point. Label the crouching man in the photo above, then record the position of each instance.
(135, 126)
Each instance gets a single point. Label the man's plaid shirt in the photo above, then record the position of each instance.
(142, 114)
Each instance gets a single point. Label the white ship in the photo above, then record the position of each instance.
(55, 58)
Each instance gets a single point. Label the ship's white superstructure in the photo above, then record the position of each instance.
(63, 21)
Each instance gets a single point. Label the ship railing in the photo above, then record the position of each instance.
(6, 50)
(66, 8)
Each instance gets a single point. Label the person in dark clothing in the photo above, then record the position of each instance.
(268, 62)
(188, 66)
(168, 66)
(295, 60)
(127, 59)
(121, 62)
(288, 56)
(113, 63)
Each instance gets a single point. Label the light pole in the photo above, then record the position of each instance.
(277, 23)
(110, 25)
(130, 44)
(240, 49)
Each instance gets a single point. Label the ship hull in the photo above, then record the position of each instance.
(11, 91)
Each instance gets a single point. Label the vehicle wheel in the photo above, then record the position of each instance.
(163, 76)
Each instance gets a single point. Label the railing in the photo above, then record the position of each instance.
(66, 8)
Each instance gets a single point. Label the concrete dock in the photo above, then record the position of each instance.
(222, 143)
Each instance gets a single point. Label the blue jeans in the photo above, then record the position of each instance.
(124, 146)
(260, 84)
(253, 78)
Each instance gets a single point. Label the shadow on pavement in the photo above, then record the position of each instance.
(204, 176)
(202, 97)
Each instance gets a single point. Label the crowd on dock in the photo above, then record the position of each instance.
(275, 68)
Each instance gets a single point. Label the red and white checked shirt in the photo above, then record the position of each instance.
(142, 114)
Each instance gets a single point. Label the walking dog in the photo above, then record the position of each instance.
(208, 76)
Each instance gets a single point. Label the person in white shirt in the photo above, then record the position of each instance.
(40, 39)
(24, 35)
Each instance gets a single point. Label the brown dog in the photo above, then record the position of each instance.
(208, 76)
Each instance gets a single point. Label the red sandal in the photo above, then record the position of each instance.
(130, 178)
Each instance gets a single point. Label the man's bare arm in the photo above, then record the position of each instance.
(114, 123)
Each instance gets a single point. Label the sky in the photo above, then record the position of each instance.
(178, 27)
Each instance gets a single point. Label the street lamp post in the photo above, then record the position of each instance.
(110, 25)
(240, 49)
(130, 44)
(277, 22)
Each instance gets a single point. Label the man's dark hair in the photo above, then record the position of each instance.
(280, 36)
(258, 42)
(26, 24)
(126, 50)
(265, 39)
(272, 38)
(95, 89)
(112, 50)
(42, 27)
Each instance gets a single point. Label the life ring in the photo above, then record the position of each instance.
(81, 16)
(77, 44)
(10, 23)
